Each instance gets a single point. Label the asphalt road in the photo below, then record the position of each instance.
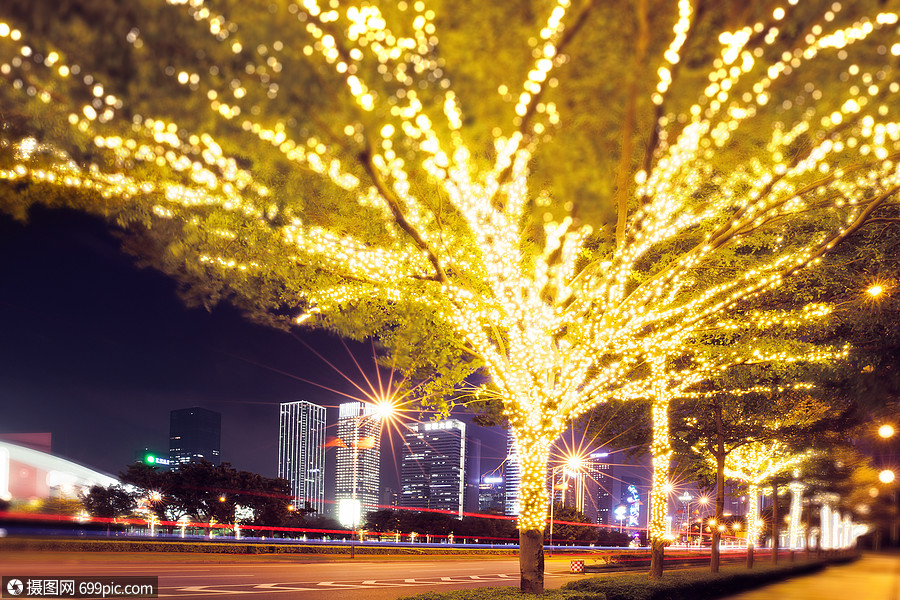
(285, 576)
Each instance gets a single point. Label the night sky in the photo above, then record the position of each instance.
(97, 352)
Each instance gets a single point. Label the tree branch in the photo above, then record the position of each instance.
(394, 203)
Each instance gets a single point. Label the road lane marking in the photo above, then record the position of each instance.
(205, 589)
(299, 586)
(343, 586)
(281, 587)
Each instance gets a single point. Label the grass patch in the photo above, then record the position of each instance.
(693, 584)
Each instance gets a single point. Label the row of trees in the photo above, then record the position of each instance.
(198, 492)
(569, 215)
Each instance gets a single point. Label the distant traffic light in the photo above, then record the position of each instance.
(149, 459)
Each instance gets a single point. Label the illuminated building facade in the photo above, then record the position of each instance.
(301, 452)
(511, 478)
(490, 494)
(433, 468)
(598, 487)
(358, 462)
(194, 434)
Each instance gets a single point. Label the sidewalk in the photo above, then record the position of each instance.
(872, 577)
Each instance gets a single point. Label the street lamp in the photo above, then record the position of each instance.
(886, 431)
(620, 515)
(886, 476)
(573, 464)
(686, 500)
(875, 290)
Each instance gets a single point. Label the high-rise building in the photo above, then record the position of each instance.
(194, 434)
(301, 452)
(490, 494)
(473, 474)
(433, 469)
(358, 462)
(511, 477)
(598, 488)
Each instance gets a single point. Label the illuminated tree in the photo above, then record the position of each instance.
(753, 464)
(315, 164)
(714, 425)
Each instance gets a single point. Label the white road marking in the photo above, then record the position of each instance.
(281, 587)
(205, 589)
(251, 588)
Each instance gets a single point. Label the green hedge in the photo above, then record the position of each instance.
(75, 545)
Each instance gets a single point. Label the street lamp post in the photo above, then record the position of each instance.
(620, 515)
(574, 464)
(686, 500)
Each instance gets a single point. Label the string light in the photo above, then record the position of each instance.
(753, 463)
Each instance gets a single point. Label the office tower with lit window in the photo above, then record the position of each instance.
(358, 462)
(433, 468)
(301, 453)
(490, 494)
(194, 434)
(511, 477)
(598, 486)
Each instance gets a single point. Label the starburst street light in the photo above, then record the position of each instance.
(886, 476)
(575, 463)
(875, 290)
(385, 409)
(886, 431)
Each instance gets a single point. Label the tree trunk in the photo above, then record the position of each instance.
(774, 523)
(715, 558)
(750, 556)
(531, 561)
(806, 539)
(661, 454)
(657, 554)
(532, 458)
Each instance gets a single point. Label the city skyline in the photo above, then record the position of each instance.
(98, 351)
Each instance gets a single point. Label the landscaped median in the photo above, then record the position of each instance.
(687, 584)
(233, 547)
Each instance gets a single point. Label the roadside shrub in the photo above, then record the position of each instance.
(687, 585)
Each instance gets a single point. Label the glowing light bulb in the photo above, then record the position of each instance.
(875, 290)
